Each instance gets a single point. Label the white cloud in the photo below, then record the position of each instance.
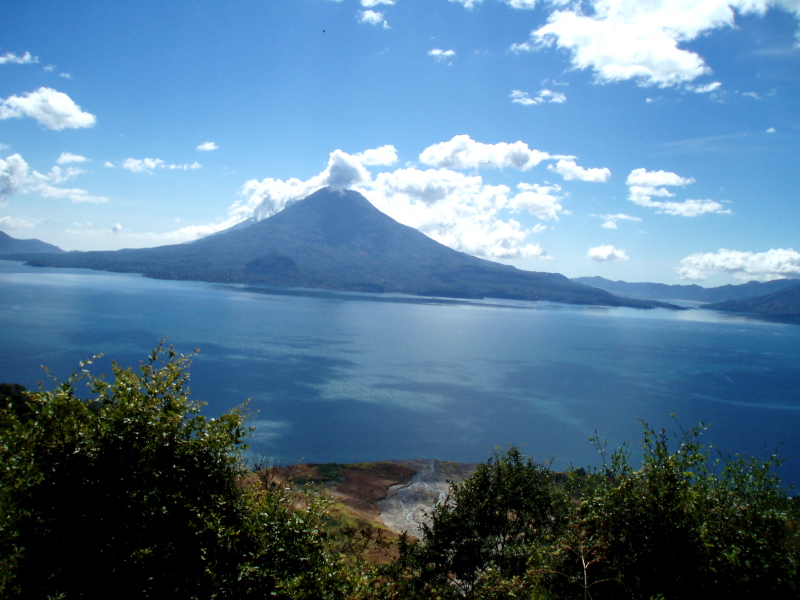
(516, 48)
(11, 223)
(747, 266)
(116, 228)
(58, 175)
(74, 195)
(607, 253)
(207, 146)
(13, 175)
(705, 89)
(15, 178)
(771, 130)
(371, 3)
(9, 58)
(262, 199)
(384, 155)
(610, 221)
(458, 210)
(149, 165)
(569, 170)
(142, 165)
(68, 157)
(521, 4)
(524, 98)
(65, 75)
(462, 152)
(632, 40)
(470, 4)
(440, 55)
(192, 167)
(344, 171)
(373, 17)
(53, 109)
(644, 185)
(542, 201)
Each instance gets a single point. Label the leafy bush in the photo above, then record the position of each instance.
(688, 524)
(691, 523)
(133, 487)
(487, 529)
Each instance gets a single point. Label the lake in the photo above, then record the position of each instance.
(338, 377)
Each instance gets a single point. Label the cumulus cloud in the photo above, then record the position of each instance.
(545, 95)
(440, 55)
(644, 185)
(610, 221)
(373, 17)
(67, 158)
(747, 266)
(150, 165)
(521, 4)
(607, 253)
(116, 228)
(569, 170)
(371, 3)
(771, 130)
(456, 209)
(627, 40)
(344, 171)
(13, 175)
(9, 58)
(53, 109)
(262, 199)
(542, 201)
(16, 177)
(462, 152)
(207, 147)
(384, 155)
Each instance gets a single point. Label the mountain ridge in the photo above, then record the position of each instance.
(340, 241)
(694, 293)
(783, 305)
(10, 245)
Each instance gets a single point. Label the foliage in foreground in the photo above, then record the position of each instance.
(132, 487)
(129, 485)
(685, 525)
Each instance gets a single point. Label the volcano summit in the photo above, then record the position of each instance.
(338, 241)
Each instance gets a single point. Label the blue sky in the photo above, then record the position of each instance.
(644, 141)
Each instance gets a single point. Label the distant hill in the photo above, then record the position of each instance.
(696, 293)
(10, 245)
(338, 240)
(783, 305)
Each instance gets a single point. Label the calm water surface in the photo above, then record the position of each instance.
(345, 377)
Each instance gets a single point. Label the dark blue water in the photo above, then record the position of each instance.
(343, 377)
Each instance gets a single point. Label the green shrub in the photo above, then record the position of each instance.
(132, 487)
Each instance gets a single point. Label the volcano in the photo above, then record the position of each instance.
(337, 240)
